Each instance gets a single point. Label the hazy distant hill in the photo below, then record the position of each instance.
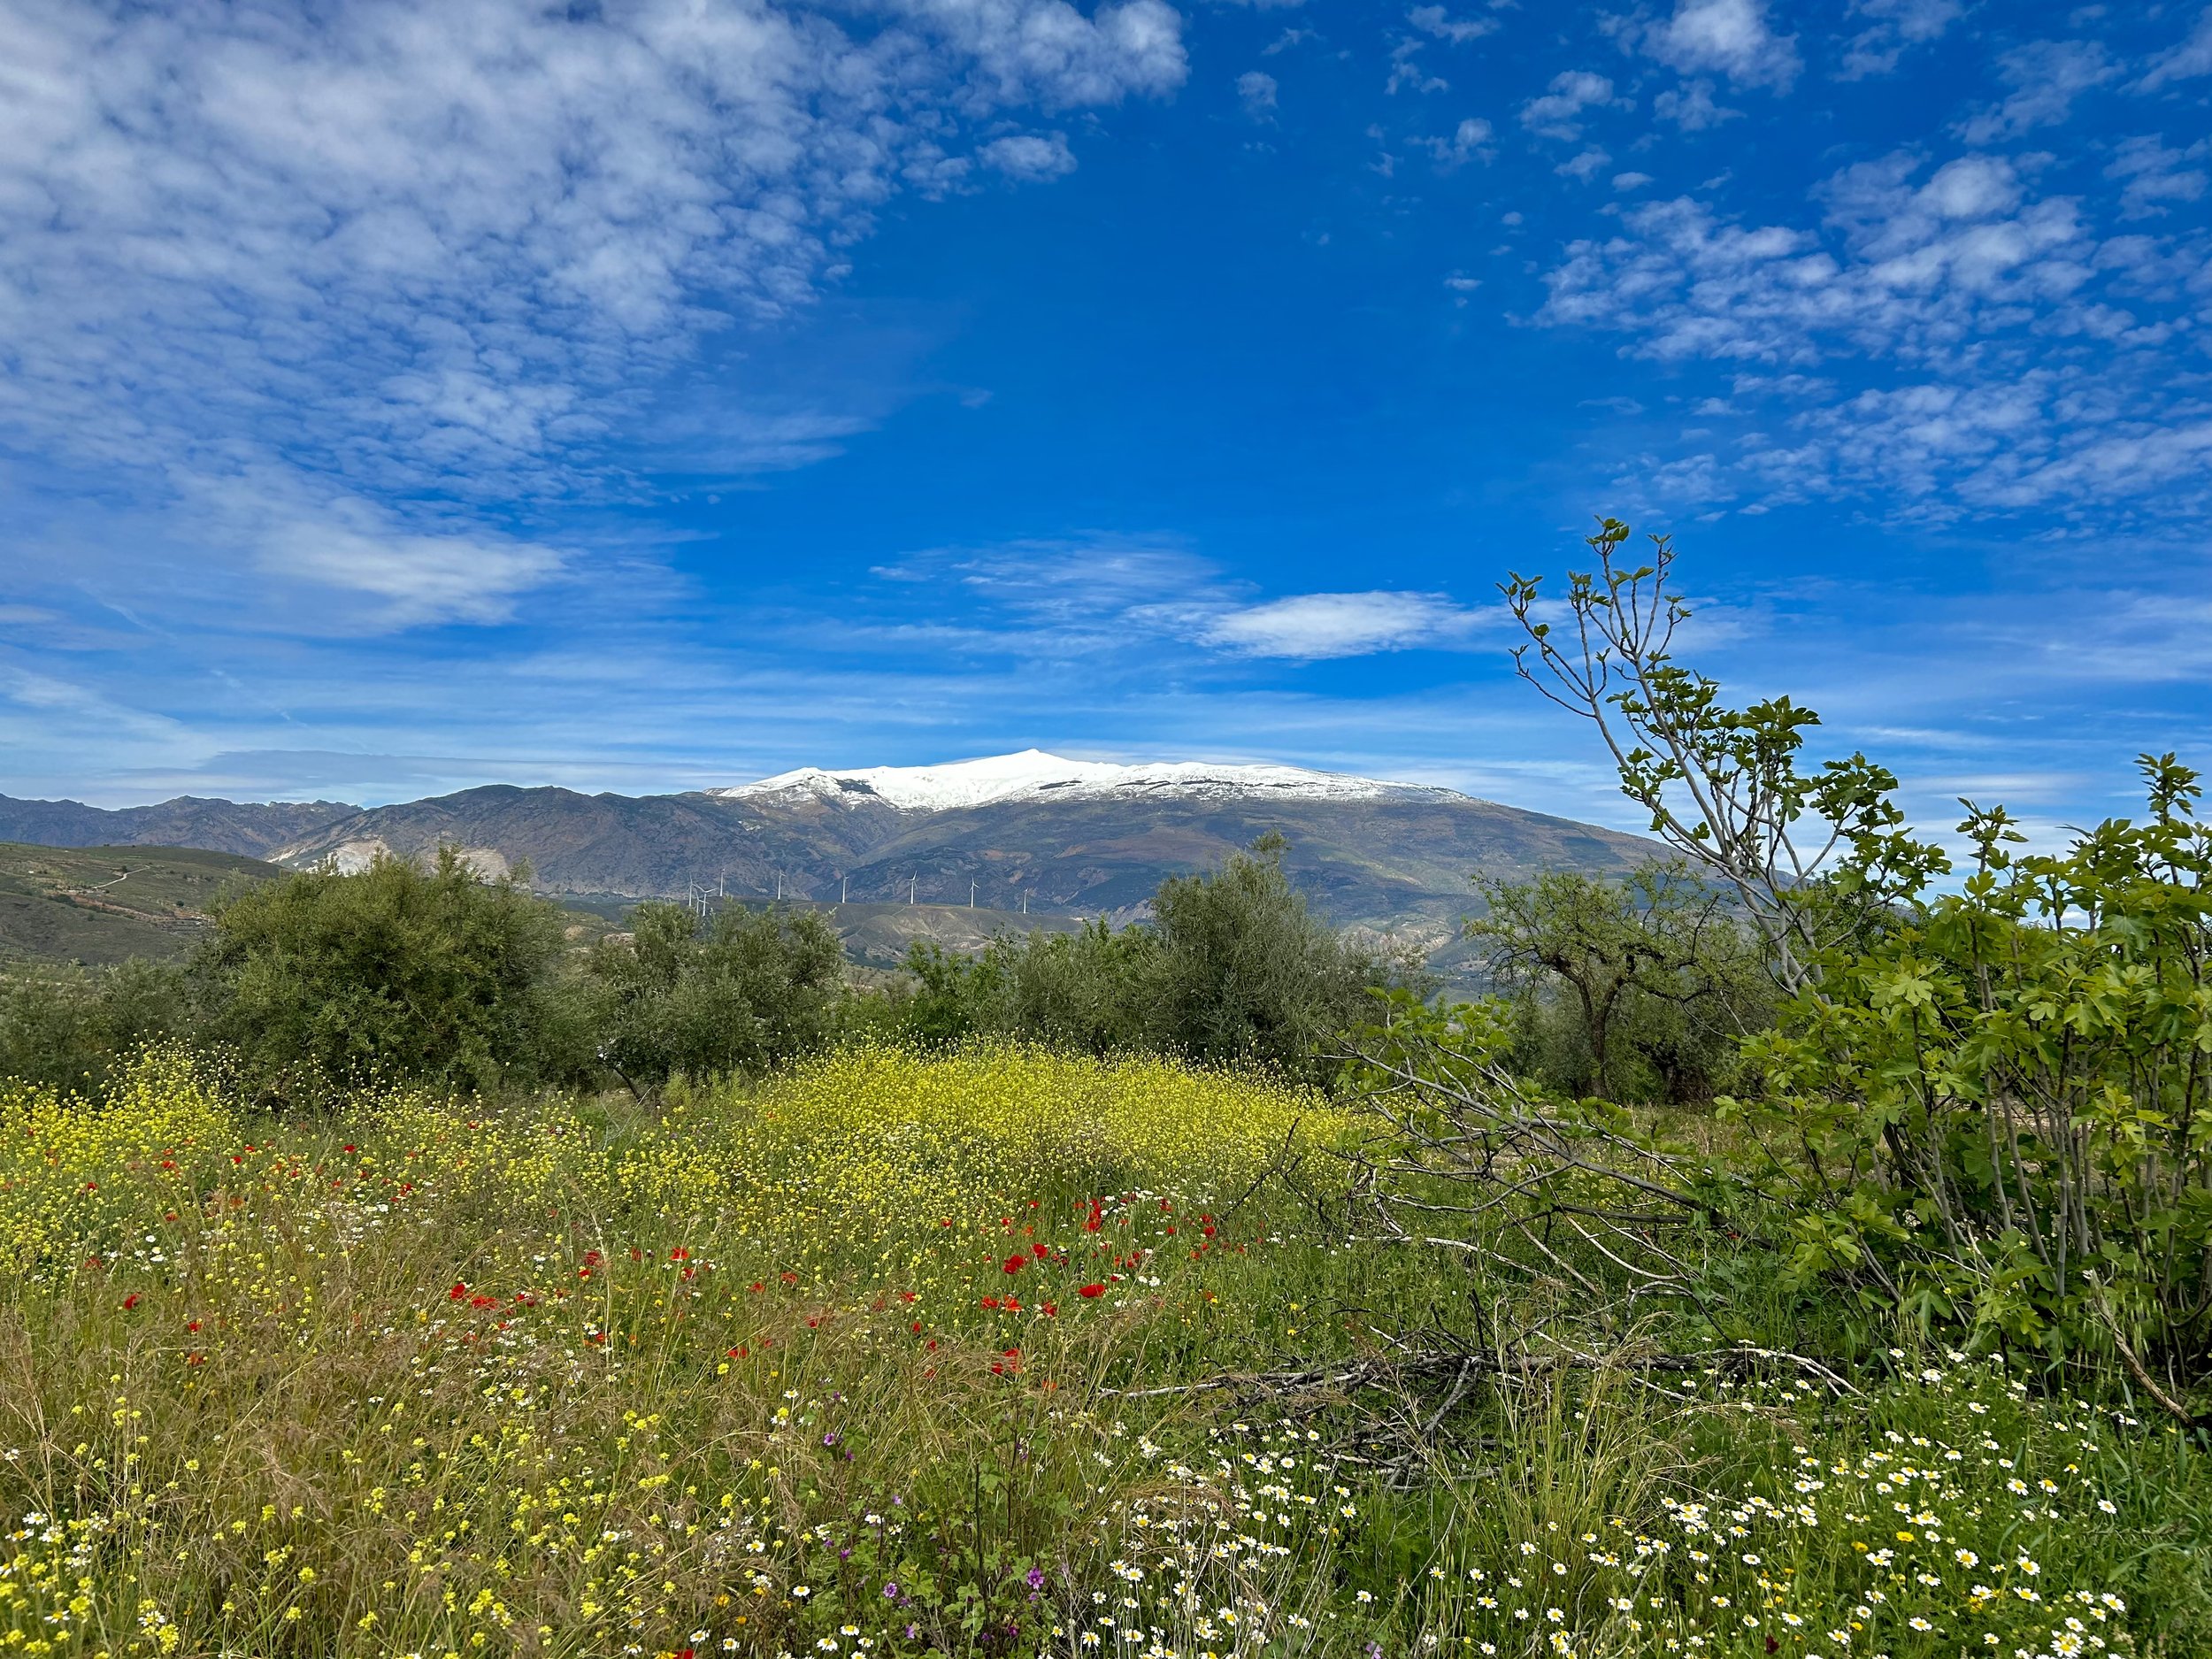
(226, 826)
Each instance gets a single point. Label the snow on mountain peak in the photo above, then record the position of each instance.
(1034, 775)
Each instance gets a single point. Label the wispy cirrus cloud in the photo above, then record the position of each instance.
(1094, 597)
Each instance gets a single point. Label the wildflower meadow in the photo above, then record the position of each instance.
(899, 1354)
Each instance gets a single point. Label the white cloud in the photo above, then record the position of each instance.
(1258, 92)
(408, 253)
(1728, 37)
(1892, 25)
(1470, 140)
(1029, 157)
(1406, 71)
(1584, 166)
(1309, 627)
(2046, 76)
(1922, 266)
(1434, 20)
(1558, 113)
(2185, 62)
(2157, 178)
(1690, 107)
(1630, 180)
(414, 579)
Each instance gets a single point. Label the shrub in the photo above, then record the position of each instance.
(1233, 970)
(322, 981)
(76, 1032)
(1246, 974)
(747, 992)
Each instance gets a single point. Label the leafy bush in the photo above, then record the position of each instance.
(1246, 974)
(1085, 993)
(746, 991)
(1233, 970)
(323, 981)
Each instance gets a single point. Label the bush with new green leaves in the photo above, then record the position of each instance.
(1986, 1105)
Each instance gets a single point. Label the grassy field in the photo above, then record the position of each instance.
(899, 1356)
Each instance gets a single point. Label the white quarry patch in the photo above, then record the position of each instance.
(351, 858)
(1034, 775)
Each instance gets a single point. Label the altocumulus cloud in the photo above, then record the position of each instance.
(1945, 332)
(340, 286)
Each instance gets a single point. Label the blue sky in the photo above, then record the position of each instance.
(399, 396)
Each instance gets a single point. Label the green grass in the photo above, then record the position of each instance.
(748, 1371)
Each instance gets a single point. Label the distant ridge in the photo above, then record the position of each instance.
(253, 829)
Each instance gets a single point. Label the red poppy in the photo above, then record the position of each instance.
(459, 1290)
(1092, 1290)
(1013, 1263)
(990, 1301)
(130, 1302)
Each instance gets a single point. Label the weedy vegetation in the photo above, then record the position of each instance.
(1809, 1254)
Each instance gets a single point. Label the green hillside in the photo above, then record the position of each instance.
(104, 904)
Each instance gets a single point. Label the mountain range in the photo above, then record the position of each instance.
(1029, 831)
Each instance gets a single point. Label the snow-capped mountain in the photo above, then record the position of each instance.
(1019, 837)
(1033, 775)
